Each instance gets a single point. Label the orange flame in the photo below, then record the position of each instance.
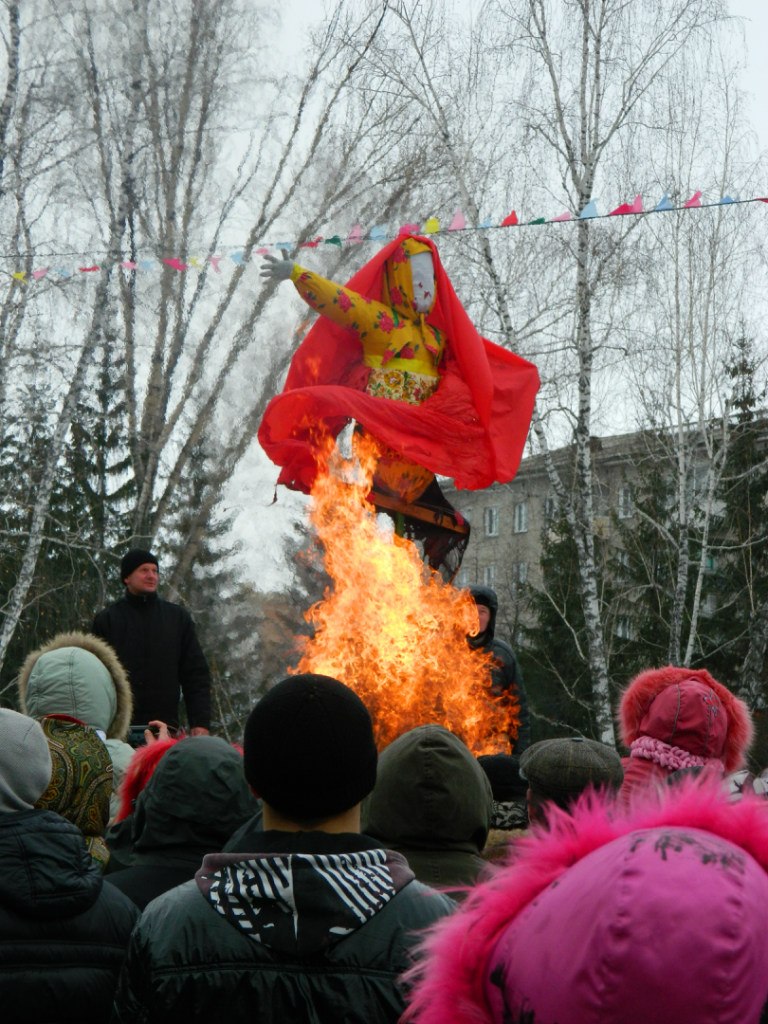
(391, 628)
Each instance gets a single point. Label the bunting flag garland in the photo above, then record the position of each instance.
(357, 235)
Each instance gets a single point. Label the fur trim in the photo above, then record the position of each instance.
(449, 980)
(642, 690)
(669, 757)
(121, 723)
(140, 769)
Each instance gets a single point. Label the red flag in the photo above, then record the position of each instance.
(510, 221)
(625, 208)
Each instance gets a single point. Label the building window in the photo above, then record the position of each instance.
(550, 509)
(520, 572)
(710, 563)
(491, 522)
(709, 605)
(626, 505)
(521, 517)
(462, 580)
(489, 576)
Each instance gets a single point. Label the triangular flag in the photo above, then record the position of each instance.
(665, 203)
(431, 226)
(355, 236)
(214, 261)
(695, 200)
(510, 220)
(146, 264)
(313, 244)
(283, 246)
(538, 220)
(378, 233)
(589, 211)
(129, 265)
(20, 275)
(89, 270)
(458, 223)
(726, 200)
(237, 257)
(195, 262)
(63, 273)
(333, 240)
(625, 208)
(262, 251)
(762, 199)
(176, 263)
(486, 223)
(409, 229)
(39, 274)
(561, 217)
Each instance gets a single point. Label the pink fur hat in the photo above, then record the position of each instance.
(687, 708)
(653, 915)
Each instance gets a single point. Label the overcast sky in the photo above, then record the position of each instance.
(755, 14)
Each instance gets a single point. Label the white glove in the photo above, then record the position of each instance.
(276, 270)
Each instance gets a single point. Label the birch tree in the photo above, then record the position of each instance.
(702, 294)
(593, 70)
(177, 163)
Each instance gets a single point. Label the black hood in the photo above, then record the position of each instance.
(47, 870)
(487, 597)
(194, 801)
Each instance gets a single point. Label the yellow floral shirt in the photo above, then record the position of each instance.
(402, 350)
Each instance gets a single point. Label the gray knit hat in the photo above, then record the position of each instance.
(560, 769)
(25, 761)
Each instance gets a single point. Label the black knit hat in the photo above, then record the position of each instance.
(308, 748)
(562, 768)
(133, 559)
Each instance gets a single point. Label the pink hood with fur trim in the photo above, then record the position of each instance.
(689, 709)
(656, 914)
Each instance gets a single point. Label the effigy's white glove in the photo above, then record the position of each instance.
(274, 269)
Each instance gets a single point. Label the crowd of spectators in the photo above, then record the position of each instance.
(305, 876)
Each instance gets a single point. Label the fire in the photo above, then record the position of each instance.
(391, 628)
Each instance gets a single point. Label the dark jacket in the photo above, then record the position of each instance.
(311, 928)
(433, 803)
(506, 676)
(63, 930)
(157, 643)
(195, 799)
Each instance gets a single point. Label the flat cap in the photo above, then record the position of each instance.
(565, 767)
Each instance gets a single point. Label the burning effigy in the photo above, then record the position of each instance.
(394, 352)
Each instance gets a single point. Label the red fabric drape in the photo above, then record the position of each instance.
(472, 429)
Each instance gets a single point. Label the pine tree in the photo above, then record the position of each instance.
(742, 565)
(555, 668)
